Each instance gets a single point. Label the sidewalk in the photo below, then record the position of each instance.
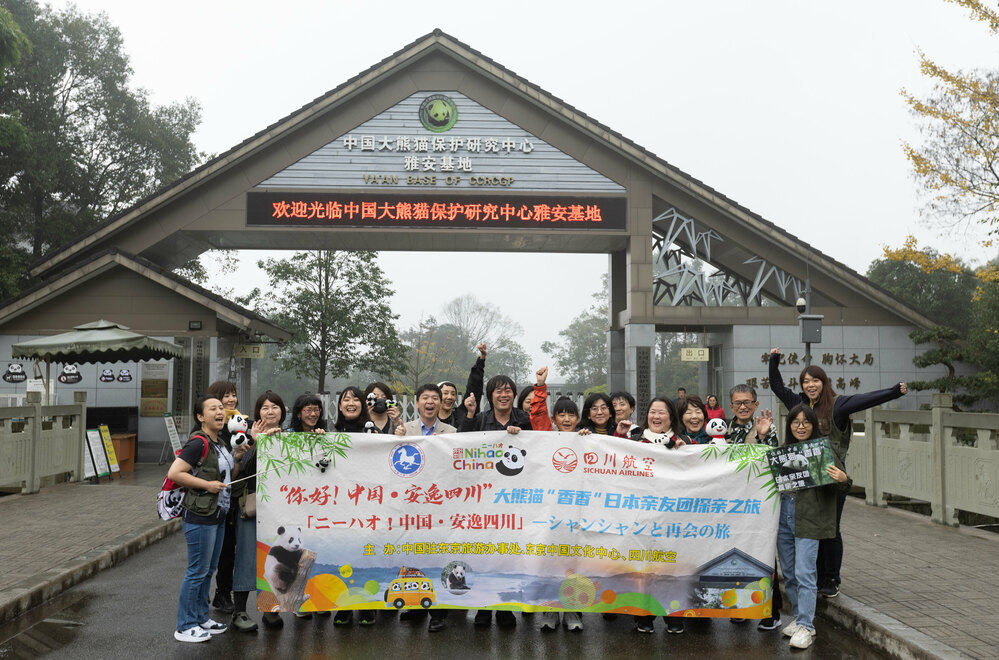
(66, 533)
(917, 586)
(911, 588)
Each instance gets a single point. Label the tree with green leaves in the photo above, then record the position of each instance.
(92, 146)
(581, 355)
(964, 304)
(939, 286)
(337, 306)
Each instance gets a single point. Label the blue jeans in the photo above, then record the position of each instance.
(797, 561)
(244, 574)
(204, 543)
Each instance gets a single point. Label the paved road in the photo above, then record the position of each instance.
(129, 612)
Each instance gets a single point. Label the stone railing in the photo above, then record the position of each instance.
(946, 458)
(39, 441)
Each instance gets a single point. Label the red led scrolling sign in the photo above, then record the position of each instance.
(297, 209)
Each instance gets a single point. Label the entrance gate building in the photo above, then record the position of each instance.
(439, 148)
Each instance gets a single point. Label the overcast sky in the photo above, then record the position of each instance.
(790, 108)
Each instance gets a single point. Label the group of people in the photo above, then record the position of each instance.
(219, 524)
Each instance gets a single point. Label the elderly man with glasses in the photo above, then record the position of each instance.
(742, 428)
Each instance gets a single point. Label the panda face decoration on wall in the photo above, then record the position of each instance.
(124, 376)
(107, 376)
(512, 462)
(15, 373)
(70, 374)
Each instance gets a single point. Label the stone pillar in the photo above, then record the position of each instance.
(639, 361)
(616, 372)
(940, 509)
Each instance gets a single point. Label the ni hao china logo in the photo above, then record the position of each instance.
(438, 113)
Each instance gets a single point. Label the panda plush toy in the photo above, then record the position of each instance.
(717, 428)
(238, 427)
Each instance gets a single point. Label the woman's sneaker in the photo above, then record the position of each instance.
(195, 634)
(573, 621)
(790, 628)
(549, 620)
(802, 638)
(213, 627)
(674, 625)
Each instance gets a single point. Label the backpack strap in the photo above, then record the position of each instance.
(204, 451)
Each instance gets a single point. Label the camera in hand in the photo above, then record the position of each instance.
(379, 406)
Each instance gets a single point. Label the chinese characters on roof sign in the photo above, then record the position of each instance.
(538, 521)
(292, 209)
(441, 140)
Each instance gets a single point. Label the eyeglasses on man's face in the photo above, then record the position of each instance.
(743, 403)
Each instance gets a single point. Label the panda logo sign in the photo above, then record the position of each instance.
(70, 374)
(406, 459)
(107, 376)
(124, 376)
(15, 373)
(512, 461)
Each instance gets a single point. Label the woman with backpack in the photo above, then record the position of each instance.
(205, 468)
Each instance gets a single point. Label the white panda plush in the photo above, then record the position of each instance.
(281, 564)
(238, 427)
(512, 462)
(716, 428)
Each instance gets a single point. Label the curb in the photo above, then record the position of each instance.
(882, 632)
(34, 591)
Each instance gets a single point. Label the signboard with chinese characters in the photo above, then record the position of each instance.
(249, 351)
(540, 521)
(800, 465)
(306, 209)
(441, 140)
(694, 355)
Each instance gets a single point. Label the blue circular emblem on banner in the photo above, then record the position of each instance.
(407, 459)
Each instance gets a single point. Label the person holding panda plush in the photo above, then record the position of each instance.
(806, 516)
(204, 467)
(225, 391)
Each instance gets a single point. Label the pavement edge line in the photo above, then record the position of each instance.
(52, 582)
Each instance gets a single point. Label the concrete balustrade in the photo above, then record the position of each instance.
(37, 442)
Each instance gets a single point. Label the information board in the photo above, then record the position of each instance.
(109, 448)
(96, 446)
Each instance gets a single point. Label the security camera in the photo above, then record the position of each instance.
(800, 305)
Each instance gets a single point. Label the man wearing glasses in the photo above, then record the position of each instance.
(741, 429)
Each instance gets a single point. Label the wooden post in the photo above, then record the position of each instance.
(291, 600)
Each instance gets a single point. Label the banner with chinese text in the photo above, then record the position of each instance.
(536, 521)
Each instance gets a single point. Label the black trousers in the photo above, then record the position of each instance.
(227, 558)
(830, 558)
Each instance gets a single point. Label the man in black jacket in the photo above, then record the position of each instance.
(501, 392)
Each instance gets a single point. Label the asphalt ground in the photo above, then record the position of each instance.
(130, 612)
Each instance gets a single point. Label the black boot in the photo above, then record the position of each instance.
(222, 601)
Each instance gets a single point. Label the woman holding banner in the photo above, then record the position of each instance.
(833, 412)
(659, 429)
(268, 414)
(806, 516)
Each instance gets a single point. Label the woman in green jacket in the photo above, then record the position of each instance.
(806, 516)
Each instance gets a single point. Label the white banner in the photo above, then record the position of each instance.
(534, 521)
